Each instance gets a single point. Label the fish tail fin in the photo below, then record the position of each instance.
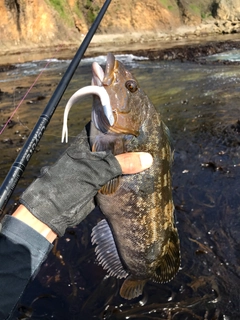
(170, 261)
(132, 288)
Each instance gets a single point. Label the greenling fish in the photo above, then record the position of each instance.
(138, 240)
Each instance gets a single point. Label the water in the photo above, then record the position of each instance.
(200, 105)
(233, 55)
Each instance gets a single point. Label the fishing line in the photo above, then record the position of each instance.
(24, 97)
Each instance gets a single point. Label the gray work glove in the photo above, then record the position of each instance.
(63, 195)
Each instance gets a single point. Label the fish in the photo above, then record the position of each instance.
(138, 240)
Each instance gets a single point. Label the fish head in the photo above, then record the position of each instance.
(127, 100)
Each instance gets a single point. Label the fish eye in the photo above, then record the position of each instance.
(131, 85)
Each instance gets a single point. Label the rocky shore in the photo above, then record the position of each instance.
(184, 45)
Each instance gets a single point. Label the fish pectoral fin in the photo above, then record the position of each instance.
(110, 187)
(132, 288)
(106, 250)
(170, 261)
(108, 144)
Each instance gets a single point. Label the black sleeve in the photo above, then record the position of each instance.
(22, 251)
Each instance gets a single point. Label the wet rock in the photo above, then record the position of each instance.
(230, 135)
(7, 141)
(1, 94)
(39, 98)
(20, 88)
(212, 165)
(7, 67)
(236, 127)
(11, 124)
(194, 53)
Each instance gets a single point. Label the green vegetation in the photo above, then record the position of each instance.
(165, 3)
(168, 4)
(195, 9)
(200, 11)
(206, 15)
(91, 16)
(77, 10)
(62, 7)
(92, 11)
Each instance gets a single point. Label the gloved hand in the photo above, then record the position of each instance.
(63, 195)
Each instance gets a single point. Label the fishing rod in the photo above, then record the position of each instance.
(30, 145)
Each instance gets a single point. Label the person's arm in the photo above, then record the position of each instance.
(23, 214)
(22, 251)
(25, 240)
(130, 163)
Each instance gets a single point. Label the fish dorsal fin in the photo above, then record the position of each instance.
(170, 261)
(111, 186)
(132, 288)
(106, 250)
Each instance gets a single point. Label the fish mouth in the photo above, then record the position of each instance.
(101, 78)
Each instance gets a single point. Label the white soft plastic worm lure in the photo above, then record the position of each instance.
(105, 101)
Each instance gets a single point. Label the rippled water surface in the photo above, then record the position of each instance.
(200, 105)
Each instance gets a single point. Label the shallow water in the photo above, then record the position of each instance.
(200, 105)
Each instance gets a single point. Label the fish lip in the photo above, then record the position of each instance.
(101, 78)
(110, 65)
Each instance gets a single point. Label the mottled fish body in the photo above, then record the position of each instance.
(139, 240)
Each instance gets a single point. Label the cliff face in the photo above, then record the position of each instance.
(46, 22)
(30, 20)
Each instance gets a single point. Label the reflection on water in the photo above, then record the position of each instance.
(200, 104)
